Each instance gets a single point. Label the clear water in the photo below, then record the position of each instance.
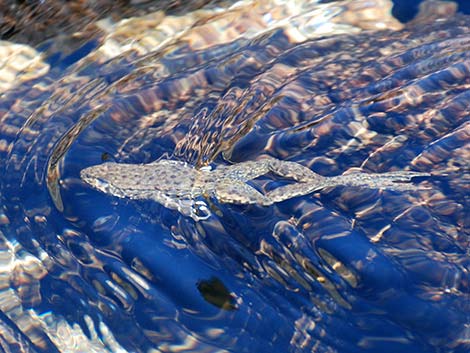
(343, 270)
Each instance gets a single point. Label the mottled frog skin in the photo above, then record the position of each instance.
(176, 184)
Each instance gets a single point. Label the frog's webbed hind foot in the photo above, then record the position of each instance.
(237, 192)
(399, 180)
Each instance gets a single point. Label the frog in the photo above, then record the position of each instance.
(177, 185)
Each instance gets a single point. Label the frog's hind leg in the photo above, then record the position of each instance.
(294, 190)
(243, 171)
(293, 170)
(237, 192)
(252, 169)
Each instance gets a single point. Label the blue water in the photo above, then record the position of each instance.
(342, 270)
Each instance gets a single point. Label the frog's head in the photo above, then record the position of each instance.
(172, 179)
(111, 178)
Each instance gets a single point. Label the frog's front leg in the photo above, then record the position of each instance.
(186, 205)
(237, 192)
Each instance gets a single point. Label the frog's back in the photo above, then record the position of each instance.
(144, 181)
(169, 176)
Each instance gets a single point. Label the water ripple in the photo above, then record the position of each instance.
(341, 270)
